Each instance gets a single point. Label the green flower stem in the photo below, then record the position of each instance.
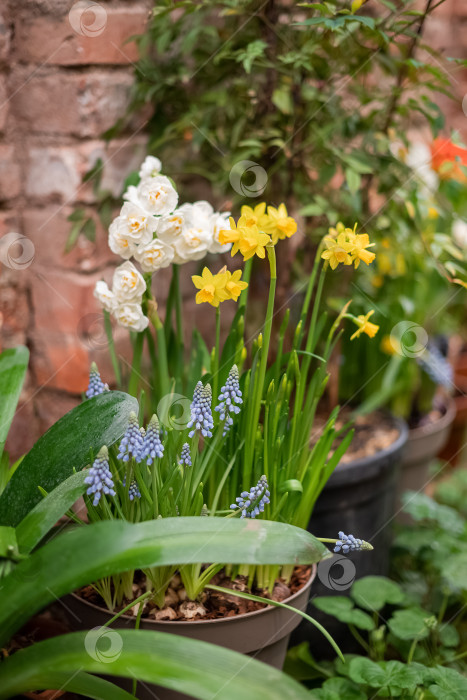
(164, 380)
(136, 364)
(112, 351)
(258, 384)
(359, 638)
(246, 278)
(216, 358)
(142, 597)
(413, 646)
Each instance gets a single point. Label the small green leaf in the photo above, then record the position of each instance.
(89, 230)
(454, 571)
(374, 592)
(422, 507)
(343, 609)
(77, 215)
(353, 180)
(449, 684)
(338, 689)
(392, 676)
(13, 366)
(8, 543)
(410, 624)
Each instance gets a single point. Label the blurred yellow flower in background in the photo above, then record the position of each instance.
(344, 245)
(365, 326)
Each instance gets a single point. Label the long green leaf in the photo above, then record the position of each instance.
(99, 421)
(78, 557)
(13, 365)
(43, 517)
(86, 685)
(185, 665)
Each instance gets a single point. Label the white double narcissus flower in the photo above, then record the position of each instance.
(150, 167)
(195, 237)
(130, 315)
(154, 255)
(131, 228)
(219, 222)
(128, 284)
(105, 296)
(170, 226)
(156, 195)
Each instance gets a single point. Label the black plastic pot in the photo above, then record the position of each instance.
(359, 499)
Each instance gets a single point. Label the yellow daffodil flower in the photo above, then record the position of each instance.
(344, 245)
(365, 326)
(359, 250)
(234, 285)
(338, 250)
(390, 345)
(246, 239)
(255, 216)
(212, 287)
(279, 224)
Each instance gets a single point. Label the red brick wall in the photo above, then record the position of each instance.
(64, 79)
(61, 86)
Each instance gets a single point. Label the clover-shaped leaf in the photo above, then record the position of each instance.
(410, 624)
(374, 592)
(344, 610)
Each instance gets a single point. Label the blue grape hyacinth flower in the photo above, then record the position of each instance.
(133, 491)
(230, 396)
(349, 543)
(132, 442)
(185, 456)
(152, 446)
(100, 477)
(252, 502)
(96, 385)
(201, 415)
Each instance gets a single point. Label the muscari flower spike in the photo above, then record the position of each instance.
(132, 441)
(185, 456)
(100, 477)
(133, 491)
(252, 502)
(96, 385)
(229, 396)
(152, 446)
(349, 543)
(201, 416)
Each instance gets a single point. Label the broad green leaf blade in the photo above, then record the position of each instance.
(13, 366)
(410, 624)
(43, 517)
(78, 557)
(86, 685)
(99, 421)
(185, 665)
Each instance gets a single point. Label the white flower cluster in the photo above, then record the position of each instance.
(153, 230)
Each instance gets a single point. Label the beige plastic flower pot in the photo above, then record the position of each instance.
(422, 447)
(263, 634)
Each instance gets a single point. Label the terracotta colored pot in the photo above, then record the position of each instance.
(423, 446)
(263, 634)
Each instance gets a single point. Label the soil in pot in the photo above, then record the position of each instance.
(261, 631)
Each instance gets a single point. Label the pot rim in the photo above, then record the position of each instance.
(176, 623)
(394, 447)
(438, 425)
